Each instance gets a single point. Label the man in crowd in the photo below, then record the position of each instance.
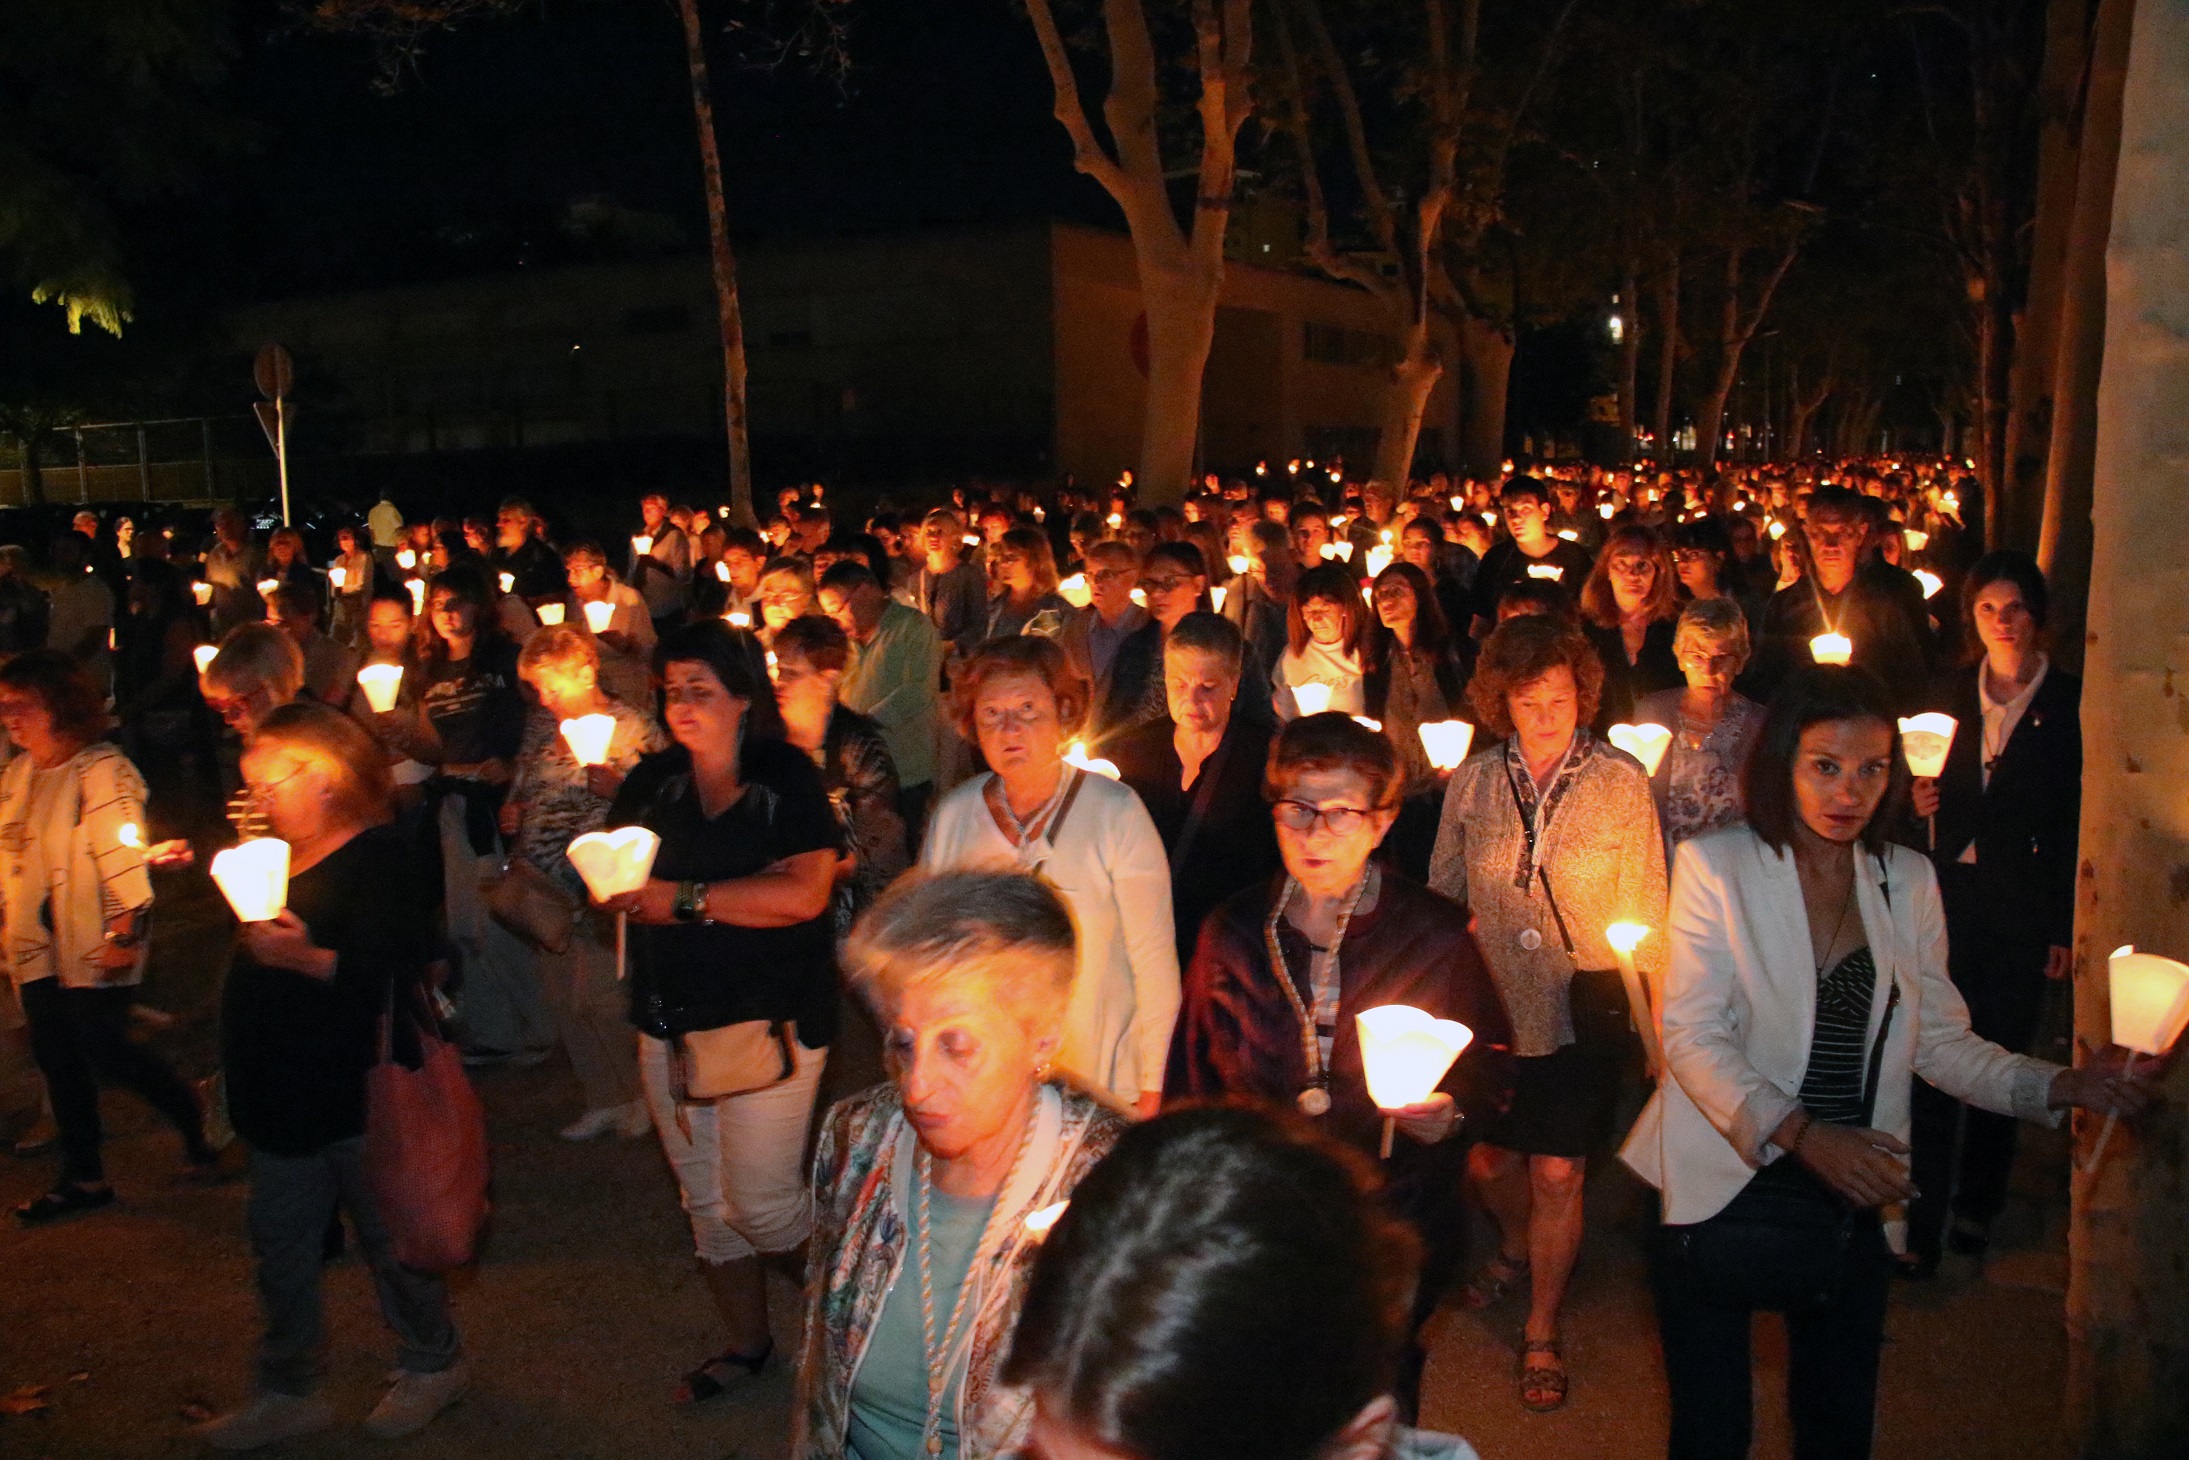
(232, 566)
(952, 592)
(893, 679)
(1532, 551)
(534, 568)
(1891, 639)
(661, 561)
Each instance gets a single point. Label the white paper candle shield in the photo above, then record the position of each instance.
(722, 571)
(254, 877)
(202, 592)
(1548, 572)
(1077, 756)
(204, 654)
(1446, 742)
(615, 862)
(509, 582)
(1238, 564)
(417, 587)
(1312, 699)
(550, 614)
(2150, 1000)
(1216, 597)
(1831, 649)
(1646, 743)
(598, 616)
(1379, 558)
(407, 559)
(1075, 591)
(1924, 740)
(739, 619)
(588, 736)
(266, 587)
(1404, 1052)
(381, 683)
(642, 545)
(1916, 541)
(1931, 582)
(338, 577)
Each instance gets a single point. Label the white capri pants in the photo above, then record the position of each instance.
(742, 1175)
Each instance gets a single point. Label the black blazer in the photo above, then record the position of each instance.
(2025, 823)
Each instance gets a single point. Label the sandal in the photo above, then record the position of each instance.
(1542, 1386)
(1497, 1279)
(64, 1201)
(714, 1378)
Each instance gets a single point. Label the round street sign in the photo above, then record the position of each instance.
(274, 371)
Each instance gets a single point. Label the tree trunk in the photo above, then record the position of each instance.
(1801, 410)
(1630, 359)
(2128, 1244)
(1733, 337)
(34, 464)
(730, 317)
(1994, 353)
(1413, 379)
(2063, 546)
(2036, 332)
(1668, 358)
(1181, 306)
(1487, 352)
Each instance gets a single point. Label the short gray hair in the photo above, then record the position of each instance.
(1712, 620)
(1208, 633)
(1008, 928)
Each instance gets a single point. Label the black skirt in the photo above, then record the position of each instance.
(1563, 1102)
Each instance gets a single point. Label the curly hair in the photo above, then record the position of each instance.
(1523, 650)
(1020, 654)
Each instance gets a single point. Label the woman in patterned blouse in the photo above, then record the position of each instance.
(1698, 784)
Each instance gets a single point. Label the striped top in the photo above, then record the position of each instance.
(1832, 1087)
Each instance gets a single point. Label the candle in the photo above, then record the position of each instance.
(1548, 572)
(599, 615)
(642, 545)
(1216, 596)
(1312, 699)
(1446, 742)
(509, 582)
(1074, 590)
(1459, 503)
(406, 559)
(1777, 529)
(204, 654)
(972, 539)
(1140, 596)
(1569, 534)
(1404, 1053)
(771, 666)
(1931, 582)
(202, 591)
(1238, 563)
(550, 614)
(266, 586)
(1831, 649)
(722, 570)
(739, 618)
(1367, 724)
(1038, 1225)
(1624, 938)
(1116, 520)
(1916, 541)
(1925, 740)
(1077, 755)
(129, 836)
(588, 737)
(254, 877)
(381, 683)
(338, 577)
(417, 587)
(1646, 743)
(2150, 999)
(614, 862)
(1379, 558)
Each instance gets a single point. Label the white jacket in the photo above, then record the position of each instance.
(1739, 1015)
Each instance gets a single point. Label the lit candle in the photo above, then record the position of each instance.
(1916, 541)
(1925, 740)
(381, 683)
(1931, 582)
(1216, 596)
(1606, 510)
(204, 654)
(1624, 938)
(1367, 724)
(417, 587)
(550, 614)
(1140, 596)
(338, 577)
(1077, 755)
(1646, 743)
(1404, 1053)
(1459, 503)
(254, 877)
(266, 586)
(406, 559)
(1038, 1225)
(1777, 529)
(129, 836)
(202, 591)
(1116, 520)
(2150, 999)
(1238, 563)
(1446, 742)
(739, 618)
(1379, 558)
(613, 863)
(1831, 649)
(1548, 572)
(642, 545)
(599, 615)
(588, 737)
(722, 570)
(1312, 699)
(509, 582)
(1074, 590)
(1569, 534)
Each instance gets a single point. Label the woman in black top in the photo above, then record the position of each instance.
(1412, 675)
(300, 1021)
(1630, 604)
(732, 928)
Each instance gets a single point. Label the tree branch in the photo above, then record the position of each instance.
(1087, 154)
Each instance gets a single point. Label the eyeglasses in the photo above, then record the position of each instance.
(261, 792)
(1110, 575)
(1302, 816)
(1164, 585)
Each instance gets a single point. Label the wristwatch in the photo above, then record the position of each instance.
(690, 906)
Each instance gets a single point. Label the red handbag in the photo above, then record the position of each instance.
(425, 1145)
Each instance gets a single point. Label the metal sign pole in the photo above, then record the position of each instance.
(281, 453)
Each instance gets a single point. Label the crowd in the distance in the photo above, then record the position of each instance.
(1024, 817)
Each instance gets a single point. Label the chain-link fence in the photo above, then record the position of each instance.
(195, 461)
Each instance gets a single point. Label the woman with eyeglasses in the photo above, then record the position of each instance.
(1022, 701)
(1327, 624)
(1549, 839)
(1174, 581)
(1283, 968)
(1698, 783)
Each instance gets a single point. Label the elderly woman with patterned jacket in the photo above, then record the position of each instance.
(1549, 839)
(931, 1192)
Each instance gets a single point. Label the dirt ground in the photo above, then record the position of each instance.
(586, 1308)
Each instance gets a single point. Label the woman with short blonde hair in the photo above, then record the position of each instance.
(1698, 783)
(927, 1189)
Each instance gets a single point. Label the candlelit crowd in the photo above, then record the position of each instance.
(1206, 910)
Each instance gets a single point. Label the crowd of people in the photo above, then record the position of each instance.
(1072, 834)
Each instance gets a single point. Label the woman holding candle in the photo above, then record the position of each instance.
(1629, 603)
(350, 583)
(1415, 677)
(1088, 834)
(626, 634)
(1282, 969)
(732, 928)
(1698, 783)
(929, 1189)
(1807, 988)
(1549, 839)
(1327, 625)
(553, 800)
(75, 903)
(391, 641)
(2007, 813)
(300, 1026)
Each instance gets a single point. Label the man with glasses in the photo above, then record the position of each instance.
(1173, 583)
(1093, 635)
(1835, 596)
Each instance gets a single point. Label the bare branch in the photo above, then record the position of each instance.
(1087, 153)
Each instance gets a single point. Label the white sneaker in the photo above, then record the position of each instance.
(413, 1400)
(625, 1120)
(267, 1418)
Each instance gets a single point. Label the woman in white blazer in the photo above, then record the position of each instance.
(1020, 698)
(1807, 987)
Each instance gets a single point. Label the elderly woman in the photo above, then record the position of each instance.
(925, 1187)
(1698, 783)
(1187, 1214)
(732, 929)
(75, 905)
(1023, 567)
(552, 801)
(1090, 836)
(1327, 625)
(1628, 605)
(1283, 968)
(1808, 988)
(1549, 839)
(300, 1026)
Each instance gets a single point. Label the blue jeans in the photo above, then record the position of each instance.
(292, 1200)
